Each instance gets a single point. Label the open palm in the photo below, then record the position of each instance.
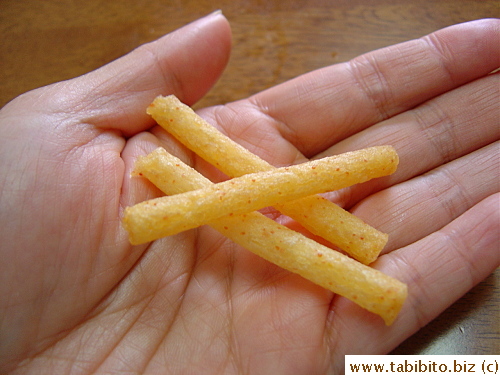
(76, 297)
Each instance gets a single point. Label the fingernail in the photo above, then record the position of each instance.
(215, 13)
(208, 18)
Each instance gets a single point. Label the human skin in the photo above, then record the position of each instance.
(77, 298)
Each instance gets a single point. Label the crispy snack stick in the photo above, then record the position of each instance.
(165, 216)
(367, 287)
(317, 214)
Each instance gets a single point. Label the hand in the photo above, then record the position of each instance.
(75, 295)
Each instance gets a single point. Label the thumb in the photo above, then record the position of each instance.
(186, 63)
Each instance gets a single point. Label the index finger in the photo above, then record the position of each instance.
(316, 110)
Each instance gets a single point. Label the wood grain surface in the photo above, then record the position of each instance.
(48, 41)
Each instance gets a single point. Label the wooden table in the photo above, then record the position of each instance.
(50, 40)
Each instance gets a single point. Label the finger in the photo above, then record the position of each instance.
(443, 194)
(319, 109)
(381, 84)
(439, 269)
(440, 130)
(186, 62)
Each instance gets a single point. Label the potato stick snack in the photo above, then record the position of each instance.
(315, 213)
(367, 287)
(169, 215)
